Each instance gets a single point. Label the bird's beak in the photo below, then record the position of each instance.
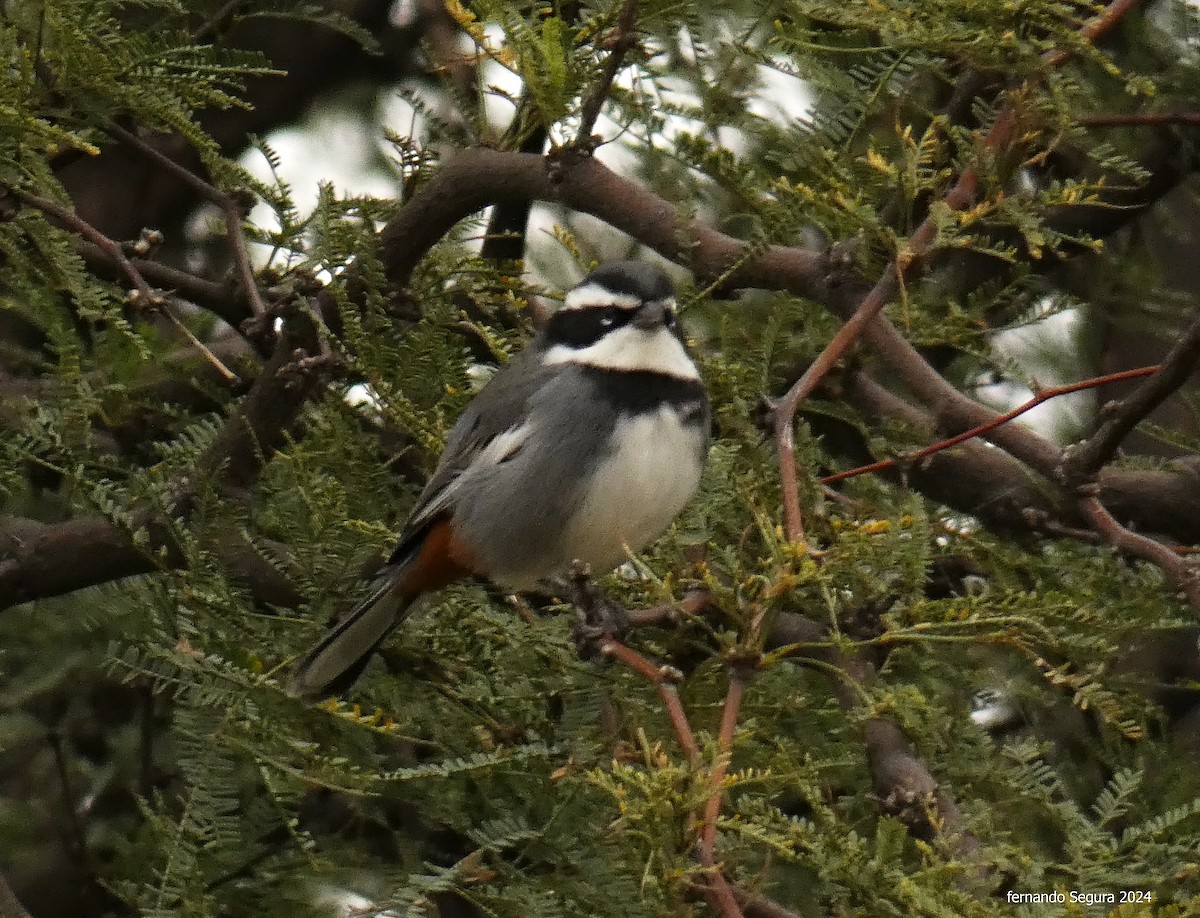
(653, 315)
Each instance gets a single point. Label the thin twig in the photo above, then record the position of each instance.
(664, 679)
(1141, 119)
(219, 20)
(203, 348)
(1177, 570)
(217, 297)
(1043, 396)
(111, 248)
(590, 110)
(64, 779)
(693, 603)
(146, 297)
(1095, 29)
(756, 905)
(919, 245)
(718, 893)
(729, 718)
(231, 209)
(1082, 462)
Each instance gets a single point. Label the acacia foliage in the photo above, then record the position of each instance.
(481, 767)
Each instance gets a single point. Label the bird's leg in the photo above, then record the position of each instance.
(597, 616)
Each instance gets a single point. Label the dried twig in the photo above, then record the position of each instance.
(203, 348)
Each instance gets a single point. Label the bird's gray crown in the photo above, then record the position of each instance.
(632, 278)
(624, 284)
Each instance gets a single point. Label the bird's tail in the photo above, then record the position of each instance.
(339, 658)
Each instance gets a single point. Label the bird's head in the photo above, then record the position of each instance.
(621, 317)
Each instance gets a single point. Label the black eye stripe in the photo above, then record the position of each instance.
(577, 328)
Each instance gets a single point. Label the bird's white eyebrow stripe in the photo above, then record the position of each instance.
(594, 294)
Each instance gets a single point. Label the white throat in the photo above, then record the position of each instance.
(631, 349)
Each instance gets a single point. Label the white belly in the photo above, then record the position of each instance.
(637, 490)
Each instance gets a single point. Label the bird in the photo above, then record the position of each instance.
(583, 447)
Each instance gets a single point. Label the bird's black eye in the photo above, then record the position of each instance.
(609, 317)
(669, 318)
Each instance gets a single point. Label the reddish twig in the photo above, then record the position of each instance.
(1096, 28)
(693, 603)
(1081, 463)
(1043, 396)
(740, 673)
(729, 718)
(918, 247)
(719, 894)
(1176, 569)
(664, 679)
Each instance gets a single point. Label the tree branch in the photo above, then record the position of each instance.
(142, 296)
(621, 43)
(1084, 460)
(233, 210)
(1177, 570)
(1043, 396)
(902, 780)
(88, 551)
(909, 261)
(10, 906)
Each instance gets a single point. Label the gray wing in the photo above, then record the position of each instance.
(499, 407)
